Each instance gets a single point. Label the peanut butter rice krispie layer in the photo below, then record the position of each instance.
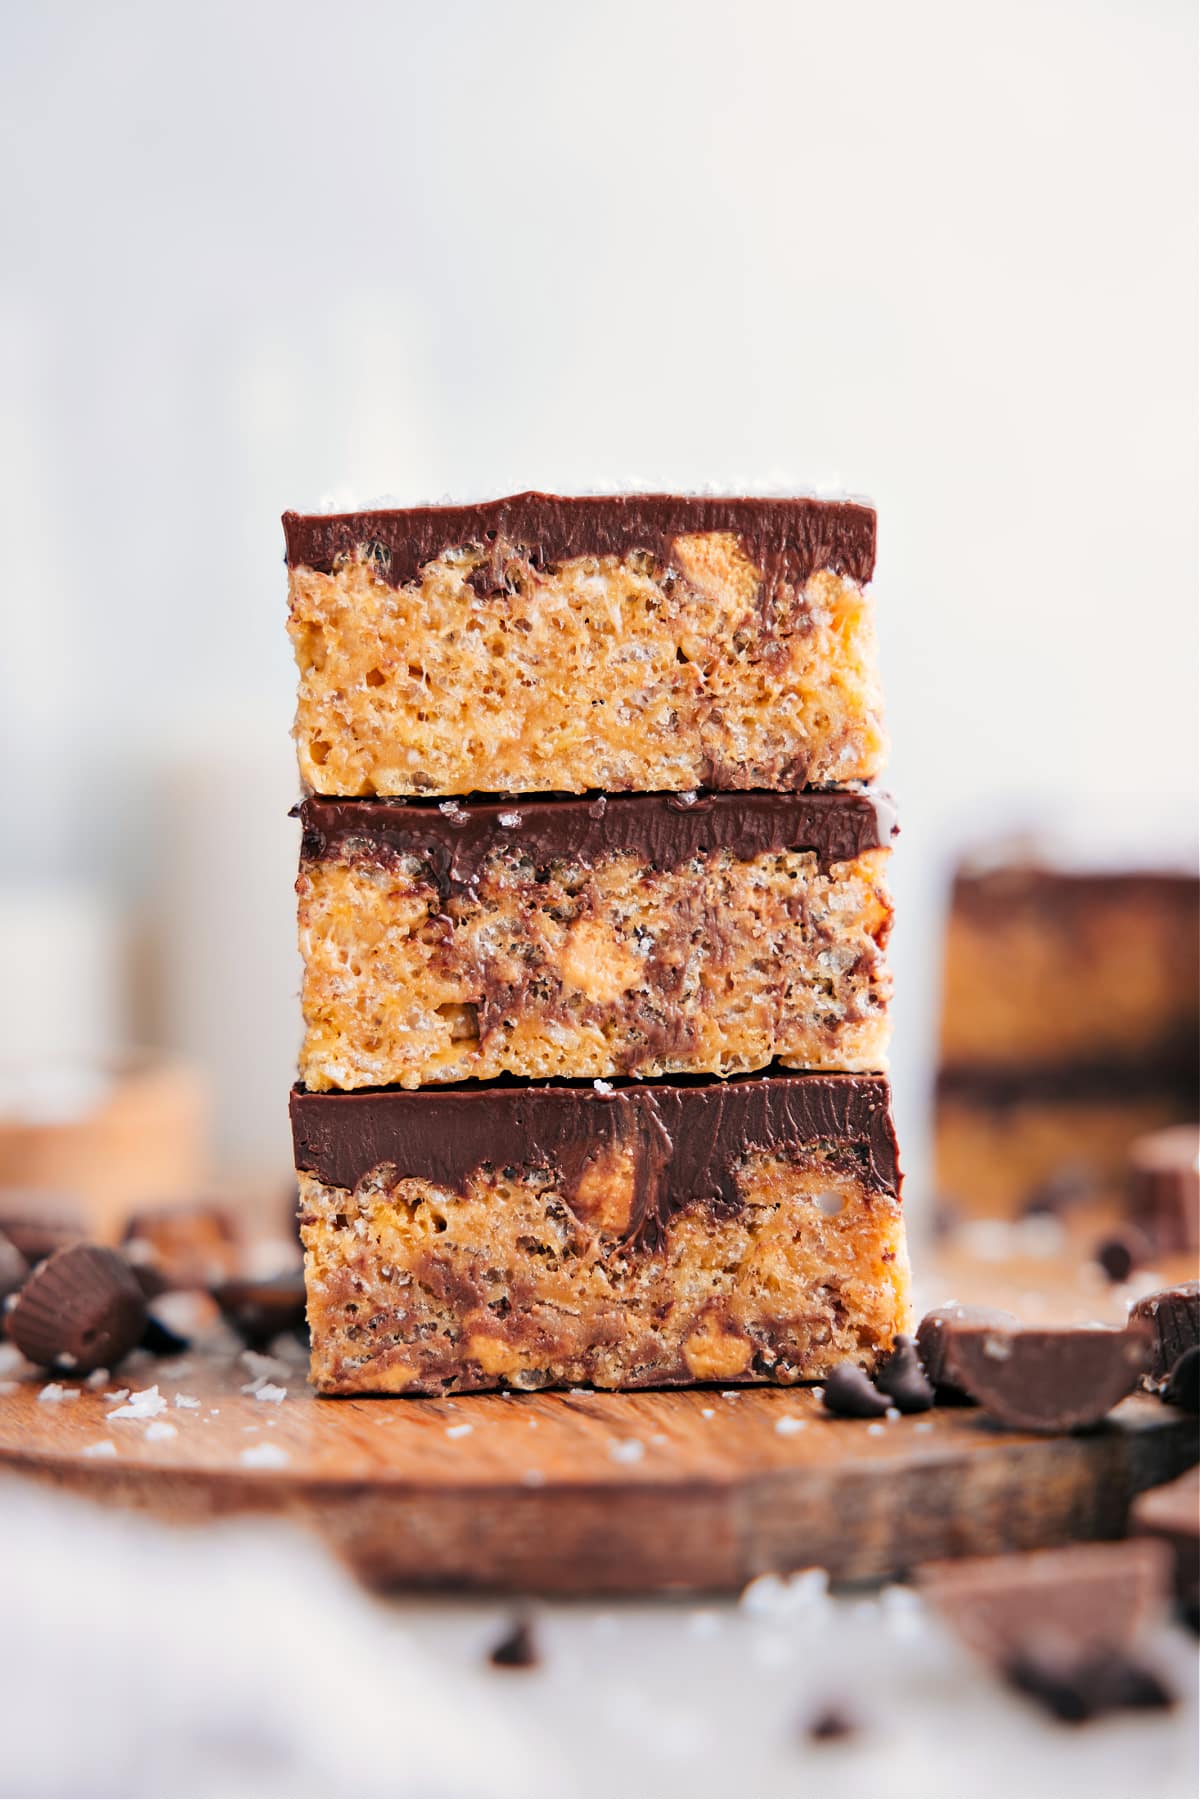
(634, 642)
(634, 935)
(515, 1236)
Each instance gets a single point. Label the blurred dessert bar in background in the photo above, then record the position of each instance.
(636, 935)
(651, 1234)
(630, 642)
(1070, 1027)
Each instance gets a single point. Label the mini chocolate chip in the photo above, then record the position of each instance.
(831, 1723)
(516, 1649)
(80, 1310)
(1183, 1385)
(1122, 1252)
(160, 1340)
(903, 1379)
(848, 1392)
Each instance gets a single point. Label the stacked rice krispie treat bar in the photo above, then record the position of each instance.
(1069, 1028)
(593, 911)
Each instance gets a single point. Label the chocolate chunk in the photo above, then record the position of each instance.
(1183, 1385)
(1122, 1252)
(1077, 1686)
(829, 1725)
(80, 1310)
(932, 1334)
(1054, 1378)
(160, 1340)
(1171, 1514)
(189, 1245)
(39, 1224)
(260, 1311)
(1164, 1187)
(1061, 1625)
(903, 1379)
(849, 1393)
(516, 1649)
(1173, 1315)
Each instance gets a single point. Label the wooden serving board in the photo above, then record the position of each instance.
(596, 1493)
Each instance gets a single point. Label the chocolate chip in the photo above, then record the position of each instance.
(260, 1311)
(80, 1310)
(903, 1379)
(849, 1393)
(1173, 1315)
(516, 1649)
(932, 1334)
(1183, 1385)
(1046, 1379)
(830, 1724)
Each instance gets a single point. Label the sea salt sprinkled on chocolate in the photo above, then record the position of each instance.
(160, 1429)
(459, 1431)
(102, 1447)
(627, 1450)
(186, 1402)
(53, 1394)
(789, 1425)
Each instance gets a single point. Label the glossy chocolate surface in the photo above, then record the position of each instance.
(684, 1138)
(786, 539)
(662, 830)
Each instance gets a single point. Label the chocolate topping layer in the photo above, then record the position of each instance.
(1019, 887)
(787, 539)
(684, 1138)
(1170, 1073)
(663, 830)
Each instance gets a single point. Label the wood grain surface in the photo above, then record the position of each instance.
(591, 1493)
(596, 1493)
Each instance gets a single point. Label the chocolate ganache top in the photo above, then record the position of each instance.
(663, 830)
(685, 1137)
(787, 539)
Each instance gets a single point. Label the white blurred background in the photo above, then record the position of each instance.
(260, 253)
